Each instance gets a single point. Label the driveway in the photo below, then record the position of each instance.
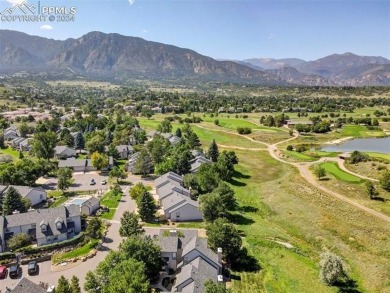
(81, 182)
(113, 239)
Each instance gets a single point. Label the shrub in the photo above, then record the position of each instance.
(290, 147)
(244, 130)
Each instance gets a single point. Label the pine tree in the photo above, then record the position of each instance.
(144, 164)
(178, 132)
(79, 143)
(75, 285)
(213, 152)
(130, 225)
(63, 285)
(146, 207)
(2, 141)
(13, 201)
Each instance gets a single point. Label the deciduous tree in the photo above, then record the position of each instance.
(130, 225)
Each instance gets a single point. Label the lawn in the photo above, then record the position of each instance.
(333, 169)
(379, 155)
(112, 202)
(360, 131)
(78, 252)
(11, 152)
(108, 215)
(300, 156)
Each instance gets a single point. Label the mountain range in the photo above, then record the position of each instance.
(114, 56)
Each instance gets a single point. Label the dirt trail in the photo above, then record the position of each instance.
(306, 174)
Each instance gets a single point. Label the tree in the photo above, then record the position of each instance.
(93, 230)
(290, 147)
(95, 144)
(13, 201)
(143, 249)
(213, 151)
(118, 173)
(146, 207)
(79, 143)
(384, 180)
(24, 129)
(64, 176)
(211, 207)
(143, 164)
(370, 189)
(63, 285)
(43, 144)
(165, 126)
(178, 132)
(66, 138)
(212, 287)
(2, 141)
(158, 147)
(319, 172)
(331, 268)
(223, 234)
(137, 190)
(18, 241)
(75, 285)
(130, 225)
(92, 283)
(113, 152)
(99, 160)
(21, 156)
(357, 157)
(116, 274)
(226, 194)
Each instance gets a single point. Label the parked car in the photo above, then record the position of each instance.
(92, 182)
(15, 271)
(32, 268)
(3, 272)
(104, 182)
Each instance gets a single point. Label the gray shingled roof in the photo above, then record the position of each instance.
(173, 200)
(72, 162)
(169, 244)
(43, 216)
(200, 245)
(27, 286)
(169, 177)
(23, 190)
(199, 271)
(187, 201)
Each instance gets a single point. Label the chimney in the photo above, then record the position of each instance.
(173, 233)
(219, 253)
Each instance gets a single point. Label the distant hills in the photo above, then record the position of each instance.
(114, 56)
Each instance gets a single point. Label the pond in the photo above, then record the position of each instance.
(377, 145)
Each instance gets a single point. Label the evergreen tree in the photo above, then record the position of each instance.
(13, 201)
(144, 164)
(178, 132)
(75, 285)
(2, 141)
(21, 156)
(146, 207)
(130, 225)
(63, 285)
(213, 152)
(79, 143)
(64, 176)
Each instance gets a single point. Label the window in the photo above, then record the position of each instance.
(33, 226)
(59, 225)
(173, 255)
(43, 228)
(178, 215)
(55, 238)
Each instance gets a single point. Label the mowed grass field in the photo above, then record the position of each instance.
(276, 203)
(333, 169)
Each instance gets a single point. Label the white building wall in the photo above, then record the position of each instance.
(186, 213)
(37, 196)
(77, 223)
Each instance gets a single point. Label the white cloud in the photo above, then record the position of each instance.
(46, 27)
(145, 31)
(130, 1)
(271, 36)
(17, 2)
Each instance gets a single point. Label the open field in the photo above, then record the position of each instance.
(368, 169)
(333, 169)
(10, 152)
(379, 155)
(360, 131)
(279, 204)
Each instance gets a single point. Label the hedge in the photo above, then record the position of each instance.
(32, 250)
(7, 255)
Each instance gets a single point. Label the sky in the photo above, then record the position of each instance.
(227, 29)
